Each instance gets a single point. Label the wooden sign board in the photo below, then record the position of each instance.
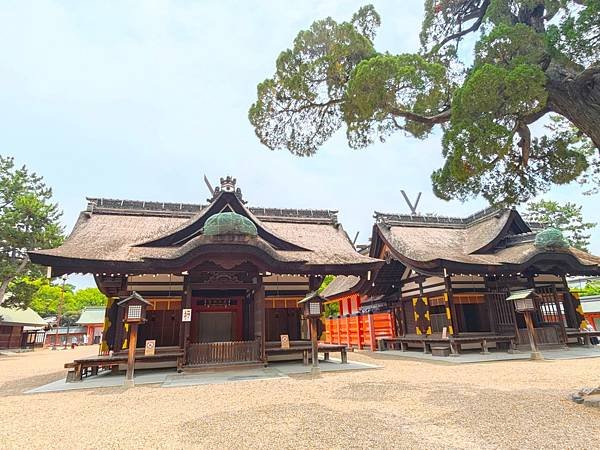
(150, 347)
(186, 315)
(285, 341)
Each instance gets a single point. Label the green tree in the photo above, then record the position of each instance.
(567, 217)
(28, 221)
(531, 58)
(591, 288)
(46, 298)
(330, 309)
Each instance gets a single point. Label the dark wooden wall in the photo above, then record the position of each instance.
(10, 336)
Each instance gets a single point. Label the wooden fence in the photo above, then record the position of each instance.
(359, 331)
(222, 352)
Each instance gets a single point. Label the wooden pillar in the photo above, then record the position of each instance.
(314, 345)
(184, 330)
(372, 340)
(571, 303)
(450, 294)
(559, 314)
(348, 337)
(259, 318)
(132, 342)
(535, 354)
(359, 330)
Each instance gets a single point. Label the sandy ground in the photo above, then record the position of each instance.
(407, 404)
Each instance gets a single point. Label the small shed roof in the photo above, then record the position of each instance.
(92, 315)
(16, 316)
(590, 304)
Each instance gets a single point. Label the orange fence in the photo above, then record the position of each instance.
(359, 331)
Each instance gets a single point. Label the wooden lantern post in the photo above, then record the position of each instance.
(135, 307)
(524, 304)
(312, 308)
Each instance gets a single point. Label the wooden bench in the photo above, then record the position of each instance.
(90, 366)
(274, 348)
(454, 343)
(583, 336)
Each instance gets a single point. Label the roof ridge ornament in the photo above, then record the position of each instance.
(227, 185)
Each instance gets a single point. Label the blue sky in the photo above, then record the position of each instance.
(139, 99)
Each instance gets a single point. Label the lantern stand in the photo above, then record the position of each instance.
(524, 304)
(134, 314)
(312, 308)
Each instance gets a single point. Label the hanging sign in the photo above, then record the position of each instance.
(186, 315)
(150, 347)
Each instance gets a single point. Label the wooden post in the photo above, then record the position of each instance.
(314, 344)
(449, 292)
(559, 315)
(359, 330)
(132, 342)
(348, 337)
(259, 318)
(535, 354)
(372, 340)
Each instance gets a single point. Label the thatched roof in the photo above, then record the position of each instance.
(340, 285)
(490, 238)
(138, 236)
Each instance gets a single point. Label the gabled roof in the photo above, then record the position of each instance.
(340, 285)
(493, 239)
(92, 315)
(16, 316)
(145, 237)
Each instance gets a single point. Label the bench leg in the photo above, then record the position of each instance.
(380, 345)
(326, 356)
(403, 346)
(78, 373)
(587, 343)
(95, 370)
(179, 364)
(453, 349)
(344, 354)
(425, 349)
(305, 357)
(484, 347)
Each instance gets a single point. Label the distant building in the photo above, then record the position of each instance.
(72, 335)
(92, 317)
(20, 328)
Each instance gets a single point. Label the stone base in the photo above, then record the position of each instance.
(587, 396)
(592, 400)
(536, 356)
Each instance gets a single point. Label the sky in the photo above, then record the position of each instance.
(140, 99)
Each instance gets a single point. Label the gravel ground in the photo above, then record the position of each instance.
(407, 404)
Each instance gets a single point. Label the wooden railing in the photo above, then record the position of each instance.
(222, 353)
(359, 331)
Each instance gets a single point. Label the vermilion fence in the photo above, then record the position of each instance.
(359, 331)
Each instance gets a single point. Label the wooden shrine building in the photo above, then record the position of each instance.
(452, 276)
(235, 272)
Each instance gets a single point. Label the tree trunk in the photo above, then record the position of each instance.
(3, 288)
(576, 95)
(6, 281)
